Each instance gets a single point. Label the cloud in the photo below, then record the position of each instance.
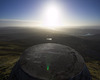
(16, 22)
(38, 24)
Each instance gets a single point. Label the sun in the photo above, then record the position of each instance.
(52, 16)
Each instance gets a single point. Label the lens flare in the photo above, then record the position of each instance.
(47, 68)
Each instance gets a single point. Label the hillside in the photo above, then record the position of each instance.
(14, 41)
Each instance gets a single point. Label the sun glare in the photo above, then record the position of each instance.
(52, 17)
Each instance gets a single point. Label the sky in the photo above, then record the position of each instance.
(31, 12)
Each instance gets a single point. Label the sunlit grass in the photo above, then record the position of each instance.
(6, 64)
(94, 68)
(9, 55)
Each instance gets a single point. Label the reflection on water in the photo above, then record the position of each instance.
(49, 39)
(88, 34)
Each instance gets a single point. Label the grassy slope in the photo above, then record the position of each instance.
(9, 54)
(94, 68)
